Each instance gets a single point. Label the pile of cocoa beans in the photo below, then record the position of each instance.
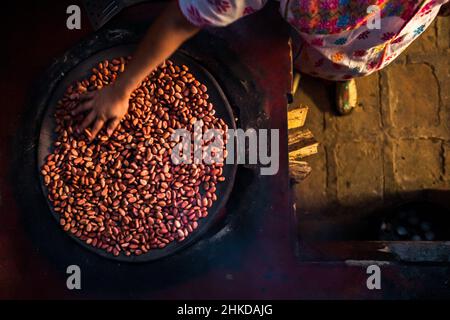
(122, 193)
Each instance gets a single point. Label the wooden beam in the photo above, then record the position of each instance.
(301, 143)
(299, 170)
(297, 116)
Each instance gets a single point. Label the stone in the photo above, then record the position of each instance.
(443, 34)
(299, 170)
(417, 164)
(413, 98)
(442, 69)
(365, 120)
(359, 171)
(310, 195)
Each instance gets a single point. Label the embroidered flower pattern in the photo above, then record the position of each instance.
(419, 30)
(372, 64)
(379, 48)
(340, 41)
(364, 35)
(331, 27)
(347, 14)
(337, 57)
(196, 17)
(398, 39)
(325, 26)
(248, 10)
(343, 21)
(221, 6)
(329, 4)
(387, 36)
(427, 8)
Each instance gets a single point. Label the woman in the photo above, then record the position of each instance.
(337, 40)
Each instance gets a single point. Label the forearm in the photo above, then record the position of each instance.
(165, 35)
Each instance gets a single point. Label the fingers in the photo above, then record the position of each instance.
(87, 105)
(96, 128)
(87, 95)
(87, 121)
(112, 125)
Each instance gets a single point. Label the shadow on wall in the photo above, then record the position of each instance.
(423, 215)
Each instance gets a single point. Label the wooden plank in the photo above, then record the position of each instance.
(297, 135)
(299, 170)
(297, 117)
(301, 143)
(295, 83)
(304, 151)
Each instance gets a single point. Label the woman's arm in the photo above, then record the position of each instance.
(110, 104)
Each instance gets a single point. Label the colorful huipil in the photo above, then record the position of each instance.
(334, 39)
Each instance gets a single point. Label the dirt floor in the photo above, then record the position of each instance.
(395, 144)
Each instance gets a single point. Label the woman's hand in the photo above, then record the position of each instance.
(110, 104)
(104, 107)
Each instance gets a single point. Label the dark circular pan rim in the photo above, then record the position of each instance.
(223, 110)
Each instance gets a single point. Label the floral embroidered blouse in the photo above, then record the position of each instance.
(336, 39)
